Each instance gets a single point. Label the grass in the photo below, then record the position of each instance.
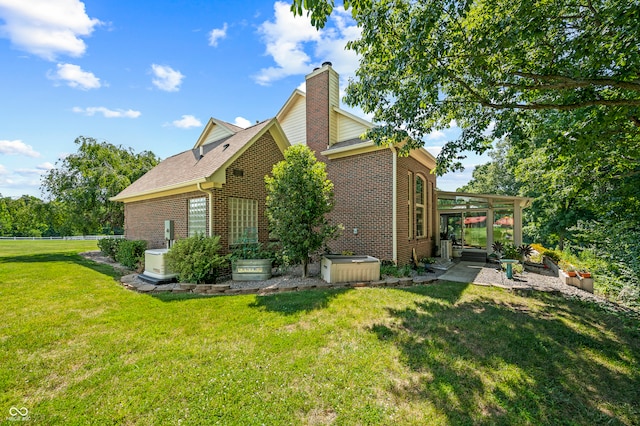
(77, 348)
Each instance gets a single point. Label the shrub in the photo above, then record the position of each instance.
(553, 255)
(196, 259)
(109, 247)
(538, 247)
(395, 271)
(130, 253)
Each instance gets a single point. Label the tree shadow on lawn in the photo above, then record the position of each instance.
(297, 301)
(507, 361)
(64, 257)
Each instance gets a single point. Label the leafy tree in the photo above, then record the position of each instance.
(497, 176)
(85, 181)
(299, 198)
(6, 223)
(26, 216)
(494, 66)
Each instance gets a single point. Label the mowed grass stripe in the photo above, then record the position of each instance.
(77, 348)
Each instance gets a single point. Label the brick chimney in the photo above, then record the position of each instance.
(323, 95)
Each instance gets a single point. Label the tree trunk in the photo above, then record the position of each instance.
(305, 266)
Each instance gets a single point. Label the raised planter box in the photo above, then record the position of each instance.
(251, 270)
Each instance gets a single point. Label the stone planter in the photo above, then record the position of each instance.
(251, 269)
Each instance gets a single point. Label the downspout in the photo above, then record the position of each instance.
(394, 208)
(210, 193)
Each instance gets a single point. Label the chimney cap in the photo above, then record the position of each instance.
(327, 63)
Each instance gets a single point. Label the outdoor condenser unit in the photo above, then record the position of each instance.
(155, 266)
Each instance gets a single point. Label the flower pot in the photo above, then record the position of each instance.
(251, 269)
(585, 274)
(570, 273)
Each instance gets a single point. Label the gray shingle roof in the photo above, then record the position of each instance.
(187, 167)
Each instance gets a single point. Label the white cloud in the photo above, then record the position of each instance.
(284, 39)
(76, 77)
(434, 150)
(186, 122)
(17, 147)
(40, 169)
(107, 113)
(3, 170)
(166, 78)
(297, 47)
(435, 135)
(217, 34)
(46, 28)
(242, 122)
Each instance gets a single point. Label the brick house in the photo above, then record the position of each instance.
(216, 188)
(386, 203)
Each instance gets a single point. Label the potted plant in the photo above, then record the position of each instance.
(249, 262)
(584, 273)
(568, 268)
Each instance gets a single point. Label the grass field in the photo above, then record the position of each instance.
(77, 348)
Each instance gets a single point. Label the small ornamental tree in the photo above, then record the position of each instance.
(299, 196)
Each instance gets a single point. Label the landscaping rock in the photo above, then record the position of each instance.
(405, 281)
(146, 288)
(392, 281)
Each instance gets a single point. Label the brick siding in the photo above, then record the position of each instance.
(422, 245)
(317, 119)
(363, 195)
(144, 220)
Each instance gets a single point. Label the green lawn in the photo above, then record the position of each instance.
(77, 348)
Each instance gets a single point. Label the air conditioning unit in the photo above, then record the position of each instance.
(155, 266)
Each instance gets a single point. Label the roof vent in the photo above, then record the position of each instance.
(225, 146)
(201, 151)
(327, 63)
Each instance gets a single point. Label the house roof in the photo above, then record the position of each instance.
(203, 166)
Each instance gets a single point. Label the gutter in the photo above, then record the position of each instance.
(394, 207)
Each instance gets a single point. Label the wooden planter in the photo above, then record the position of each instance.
(251, 269)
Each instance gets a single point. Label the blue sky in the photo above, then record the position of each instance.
(148, 75)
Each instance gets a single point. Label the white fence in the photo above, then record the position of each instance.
(74, 237)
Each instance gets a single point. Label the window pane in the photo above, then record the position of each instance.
(197, 216)
(419, 221)
(419, 190)
(243, 220)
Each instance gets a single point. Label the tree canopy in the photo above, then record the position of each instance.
(493, 66)
(83, 182)
(299, 196)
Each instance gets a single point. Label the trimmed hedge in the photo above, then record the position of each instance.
(196, 259)
(130, 253)
(109, 247)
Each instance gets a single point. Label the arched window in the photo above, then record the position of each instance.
(421, 207)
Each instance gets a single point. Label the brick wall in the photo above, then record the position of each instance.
(317, 107)
(363, 195)
(255, 164)
(144, 220)
(406, 244)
